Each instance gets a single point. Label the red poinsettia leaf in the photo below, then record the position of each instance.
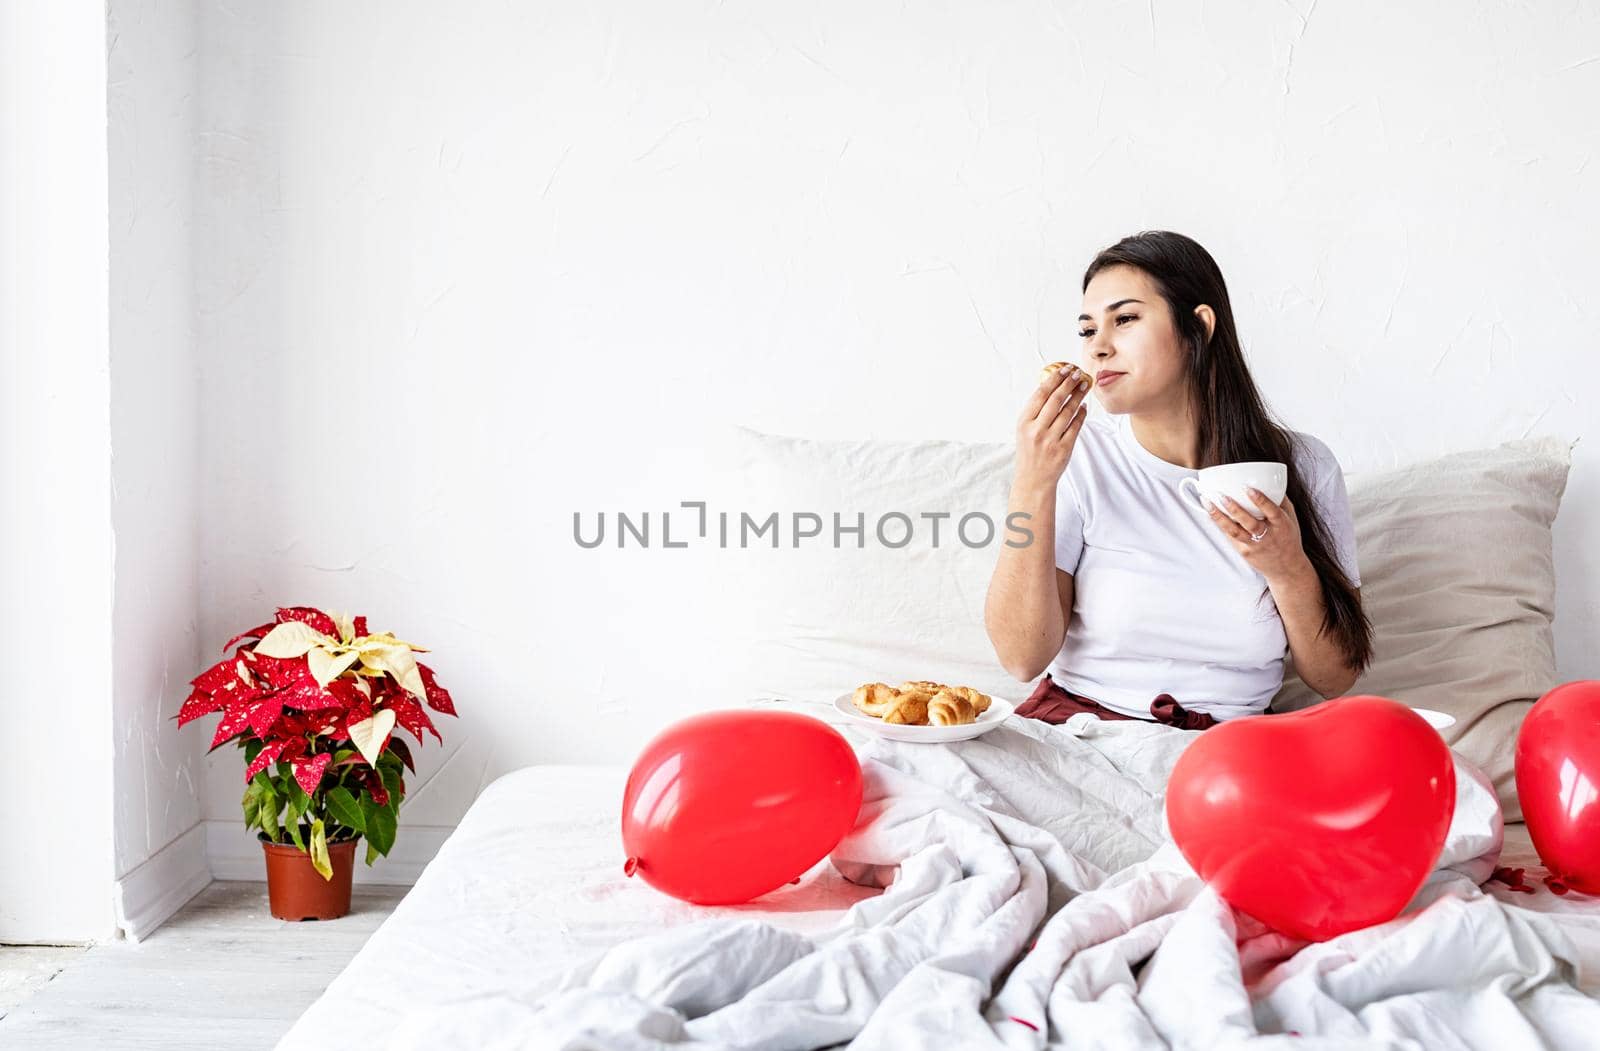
(218, 675)
(199, 703)
(410, 716)
(264, 759)
(308, 770)
(374, 783)
(360, 709)
(234, 722)
(280, 672)
(359, 627)
(308, 695)
(294, 748)
(264, 713)
(347, 694)
(307, 615)
(398, 746)
(253, 633)
(438, 697)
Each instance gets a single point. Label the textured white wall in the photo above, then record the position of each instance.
(155, 425)
(151, 61)
(56, 542)
(467, 268)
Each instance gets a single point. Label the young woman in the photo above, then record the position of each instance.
(1142, 607)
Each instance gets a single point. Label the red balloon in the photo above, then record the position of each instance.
(1558, 781)
(727, 805)
(1315, 822)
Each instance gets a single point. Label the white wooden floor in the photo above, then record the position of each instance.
(221, 973)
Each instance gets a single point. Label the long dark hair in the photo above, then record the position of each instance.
(1234, 423)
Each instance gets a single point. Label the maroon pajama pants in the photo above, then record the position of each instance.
(1052, 704)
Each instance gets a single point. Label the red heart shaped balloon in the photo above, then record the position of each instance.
(1315, 822)
(1558, 781)
(727, 805)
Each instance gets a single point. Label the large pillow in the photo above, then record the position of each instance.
(1458, 579)
(816, 620)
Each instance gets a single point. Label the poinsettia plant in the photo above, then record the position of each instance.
(313, 701)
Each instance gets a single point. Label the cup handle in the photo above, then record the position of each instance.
(1197, 502)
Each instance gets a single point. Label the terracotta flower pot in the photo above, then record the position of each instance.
(296, 891)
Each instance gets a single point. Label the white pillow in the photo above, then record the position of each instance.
(819, 620)
(1458, 579)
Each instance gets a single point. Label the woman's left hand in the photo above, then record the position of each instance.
(1278, 554)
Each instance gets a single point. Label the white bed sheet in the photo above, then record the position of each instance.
(531, 885)
(528, 885)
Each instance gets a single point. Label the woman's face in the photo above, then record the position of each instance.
(1130, 343)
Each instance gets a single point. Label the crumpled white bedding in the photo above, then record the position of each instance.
(1033, 898)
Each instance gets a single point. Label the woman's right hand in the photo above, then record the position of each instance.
(1048, 428)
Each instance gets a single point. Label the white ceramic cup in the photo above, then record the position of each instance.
(1231, 479)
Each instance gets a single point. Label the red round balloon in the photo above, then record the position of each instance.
(1558, 781)
(1315, 822)
(727, 805)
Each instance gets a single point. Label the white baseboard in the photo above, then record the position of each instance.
(148, 896)
(235, 854)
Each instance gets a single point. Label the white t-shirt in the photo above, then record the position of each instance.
(1162, 602)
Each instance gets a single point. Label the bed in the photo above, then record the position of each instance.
(1018, 889)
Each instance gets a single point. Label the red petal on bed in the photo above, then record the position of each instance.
(265, 758)
(308, 615)
(199, 703)
(254, 633)
(1512, 878)
(308, 770)
(438, 697)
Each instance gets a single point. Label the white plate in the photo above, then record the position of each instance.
(999, 709)
(1437, 720)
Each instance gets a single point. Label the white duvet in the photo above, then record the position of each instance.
(1033, 898)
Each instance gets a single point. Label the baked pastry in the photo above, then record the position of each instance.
(948, 708)
(910, 708)
(1056, 366)
(920, 702)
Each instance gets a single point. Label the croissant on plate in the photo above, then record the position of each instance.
(920, 702)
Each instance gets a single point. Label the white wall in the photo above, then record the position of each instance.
(467, 268)
(56, 544)
(152, 61)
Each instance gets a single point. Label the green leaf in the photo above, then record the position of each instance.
(267, 813)
(294, 833)
(319, 850)
(372, 853)
(379, 823)
(299, 802)
(391, 781)
(344, 808)
(252, 748)
(250, 802)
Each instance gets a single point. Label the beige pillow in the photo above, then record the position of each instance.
(1458, 580)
